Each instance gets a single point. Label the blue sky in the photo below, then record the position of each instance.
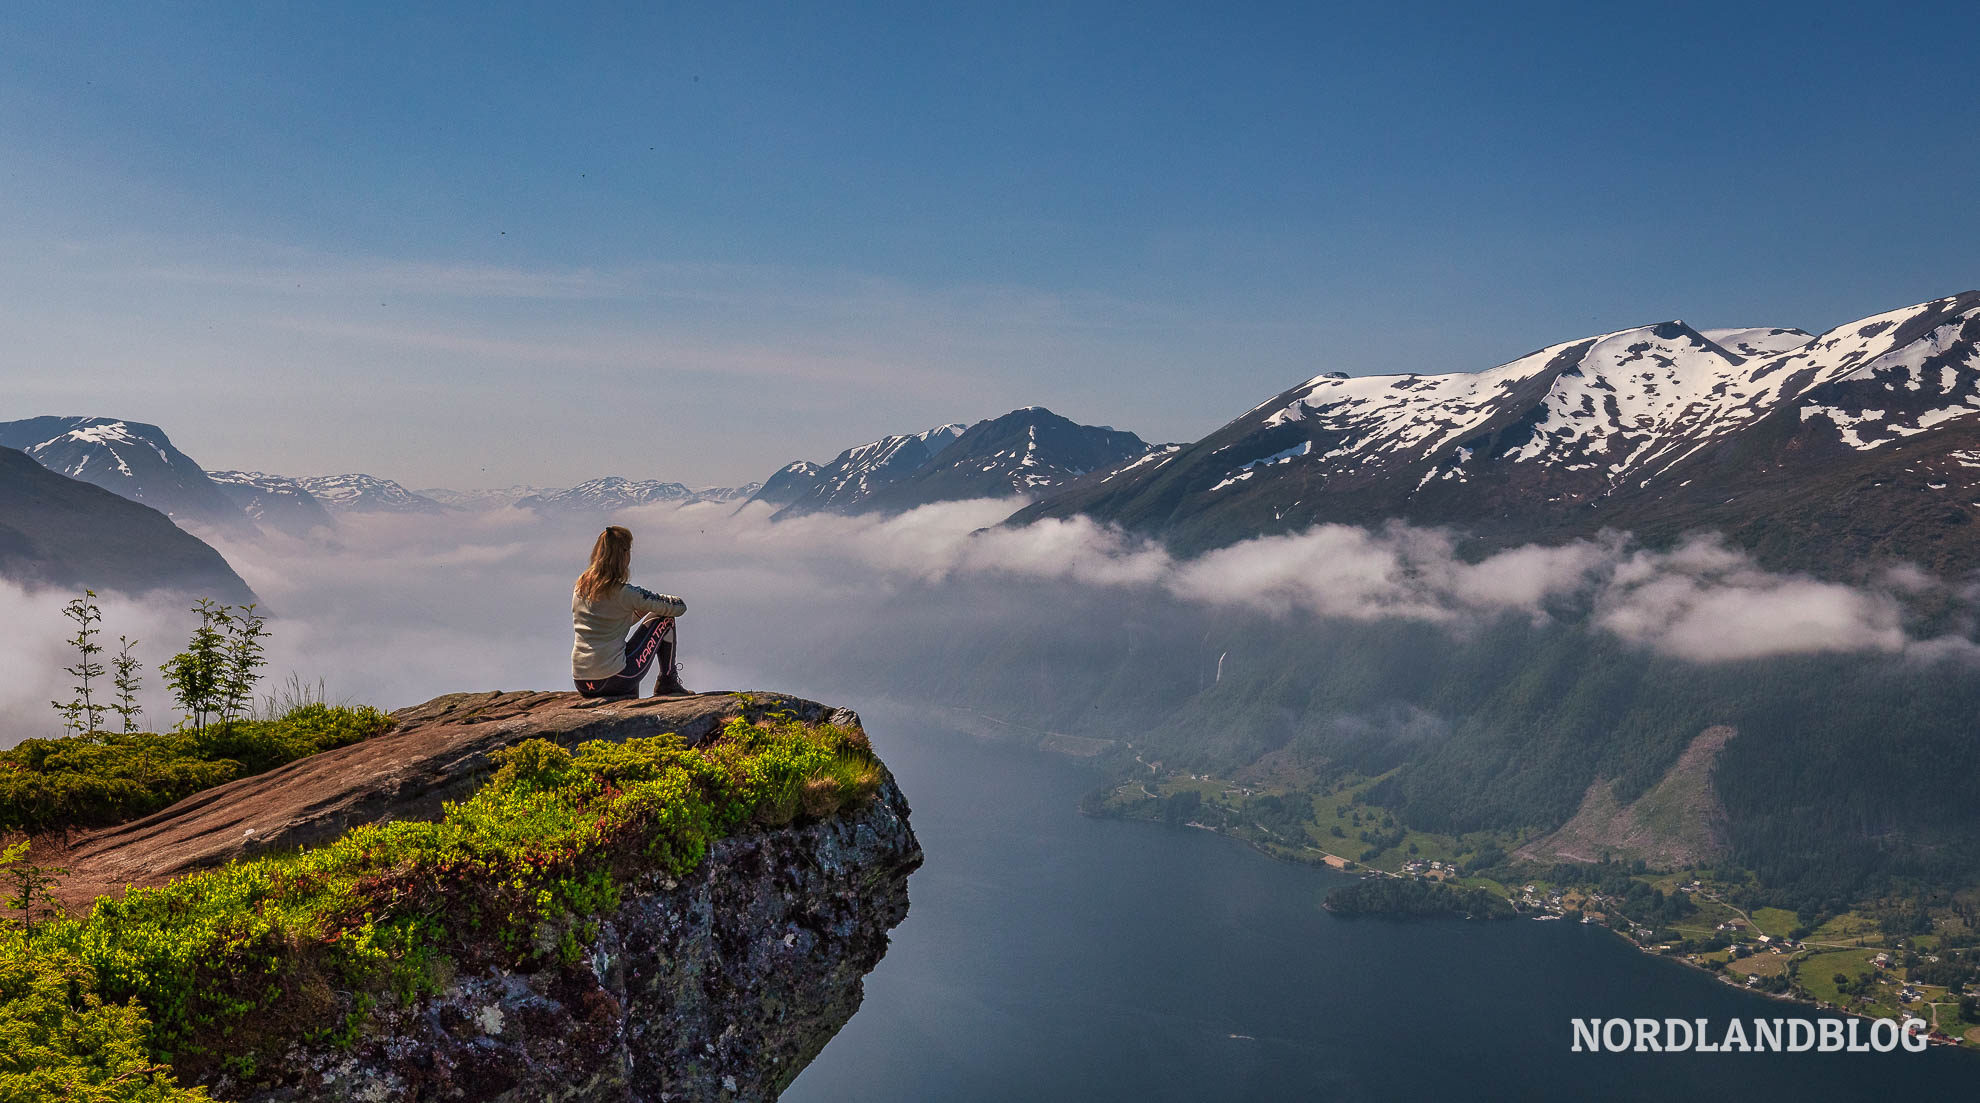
(485, 244)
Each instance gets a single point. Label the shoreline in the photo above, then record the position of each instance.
(976, 724)
(1362, 871)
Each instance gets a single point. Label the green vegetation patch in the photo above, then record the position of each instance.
(1412, 896)
(60, 1040)
(108, 777)
(242, 959)
(1775, 921)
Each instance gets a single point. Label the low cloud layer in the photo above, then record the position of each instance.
(1700, 601)
(408, 607)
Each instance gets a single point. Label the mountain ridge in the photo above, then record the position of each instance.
(1025, 451)
(356, 492)
(275, 502)
(613, 492)
(132, 459)
(1600, 432)
(58, 531)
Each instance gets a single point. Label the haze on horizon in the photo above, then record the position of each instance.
(475, 246)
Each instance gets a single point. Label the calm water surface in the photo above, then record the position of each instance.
(1048, 956)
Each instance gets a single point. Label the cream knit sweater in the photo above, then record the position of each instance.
(600, 650)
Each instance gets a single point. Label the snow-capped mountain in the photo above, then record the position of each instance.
(356, 493)
(1028, 452)
(728, 493)
(1653, 428)
(274, 502)
(790, 482)
(856, 474)
(481, 501)
(612, 492)
(131, 459)
(608, 493)
(58, 531)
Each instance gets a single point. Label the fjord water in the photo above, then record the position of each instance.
(1051, 956)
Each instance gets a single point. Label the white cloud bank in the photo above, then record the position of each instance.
(408, 607)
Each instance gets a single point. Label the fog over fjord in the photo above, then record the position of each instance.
(404, 608)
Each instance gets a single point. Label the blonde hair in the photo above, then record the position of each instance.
(611, 564)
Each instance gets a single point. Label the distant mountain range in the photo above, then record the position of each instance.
(612, 493)
(1024, 452)
(480, 501)
(1813, 451)
(846, 483)
(728, 493)
(274, 502)
(358, 493)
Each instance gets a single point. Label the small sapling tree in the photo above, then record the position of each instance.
(29, 884)
(128, 682)
(81, 714)
(198, 675)
(245, 658)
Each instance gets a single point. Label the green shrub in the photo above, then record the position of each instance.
(257, 953)
(60, 1040)
(113, 777)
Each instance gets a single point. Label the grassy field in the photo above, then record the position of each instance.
(1847, 927)
(1766, 963)
(1341, 807)
(1817, 972)
(1775, 921)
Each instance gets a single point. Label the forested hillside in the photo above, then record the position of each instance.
(1850, 773)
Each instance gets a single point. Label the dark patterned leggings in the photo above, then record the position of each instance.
(652, 641)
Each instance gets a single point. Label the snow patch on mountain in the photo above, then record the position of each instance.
(273, 501)
(484, 500)
(1385, 413)
(727, 493)
(1761, 342)
(863, 470)
(1628, 405)
(131, 459)
(360, 493)
(609, 493)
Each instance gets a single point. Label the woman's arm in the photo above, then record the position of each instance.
(650, 602)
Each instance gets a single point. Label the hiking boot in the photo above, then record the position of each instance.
(670, 685)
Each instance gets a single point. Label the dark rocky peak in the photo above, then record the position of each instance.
(58, 531)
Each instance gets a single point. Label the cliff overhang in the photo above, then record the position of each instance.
(718, 975)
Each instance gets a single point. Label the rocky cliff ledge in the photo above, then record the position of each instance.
(720, 985)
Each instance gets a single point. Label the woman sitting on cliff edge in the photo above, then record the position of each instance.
(605, 662)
